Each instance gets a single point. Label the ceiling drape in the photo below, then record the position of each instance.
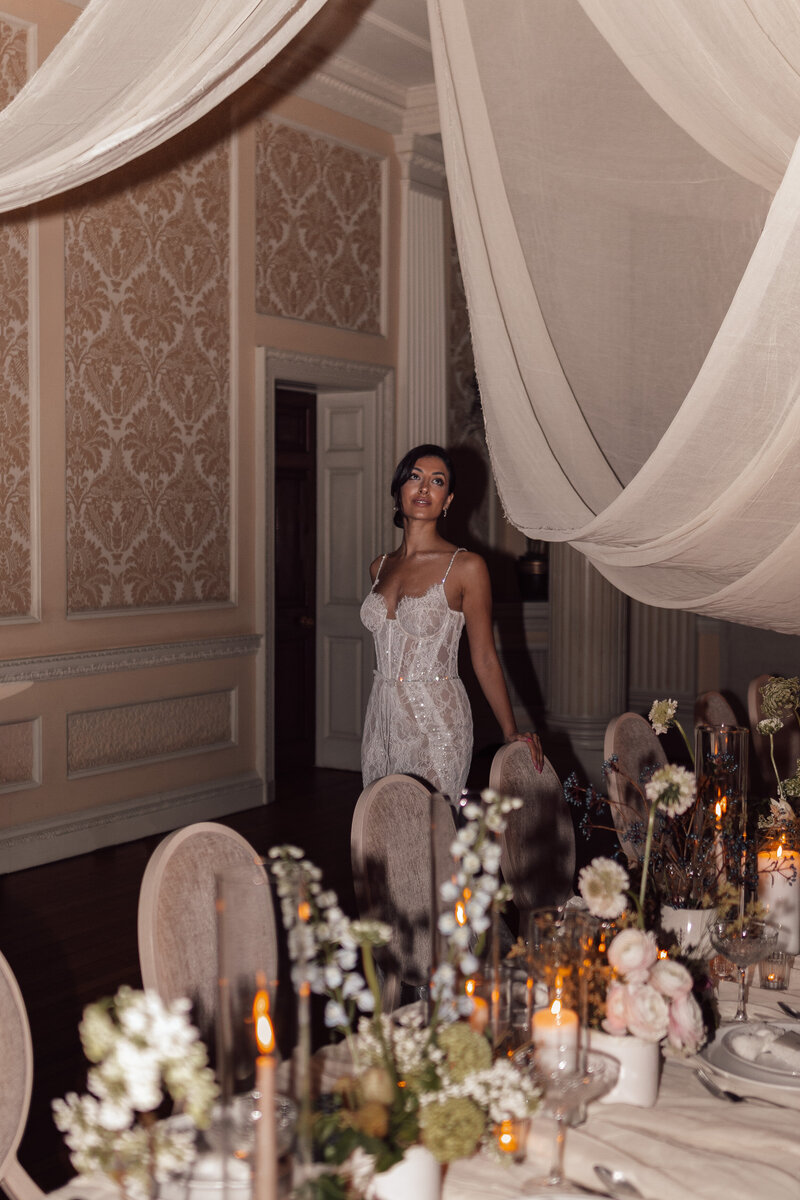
(626, 193)
(633, 286)
(128, 76)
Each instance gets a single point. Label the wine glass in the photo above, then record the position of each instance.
(744, 940)
(565, 1088)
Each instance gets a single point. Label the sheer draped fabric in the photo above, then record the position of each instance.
(633, 294)
(626, 194)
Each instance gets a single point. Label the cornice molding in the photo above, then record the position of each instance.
(50, 667)
(421, 160)
(367, 96)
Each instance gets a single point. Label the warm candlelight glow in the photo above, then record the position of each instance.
(265, 1035)
(779, 851)
(662, 954)
(507, 1139)
(479, 1017)
(304, 910)
(461, 906)
(469, 987)
(555, 1007)
(718, 812)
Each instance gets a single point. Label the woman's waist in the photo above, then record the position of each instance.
(402, 676)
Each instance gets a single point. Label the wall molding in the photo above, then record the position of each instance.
(70, 834)
(50, 667)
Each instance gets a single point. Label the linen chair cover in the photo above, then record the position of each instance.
(711, 708)
(177, 917)
(395, 821)
(538, 846)
(786, 741)
(639, 751)
(16, 1055)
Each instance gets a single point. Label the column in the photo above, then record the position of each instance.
(422, 334)
(588, 660)
(663, 659)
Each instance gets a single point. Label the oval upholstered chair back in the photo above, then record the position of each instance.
(538, 846)
(639, 752)
(16, 1055)
(396, 823)
(177, 925)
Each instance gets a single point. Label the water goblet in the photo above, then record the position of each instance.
(744, 940)
(565, 1089)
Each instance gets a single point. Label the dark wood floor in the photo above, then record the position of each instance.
(68, 930)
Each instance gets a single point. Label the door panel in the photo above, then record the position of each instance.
(346, 526)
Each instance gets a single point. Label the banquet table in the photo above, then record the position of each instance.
(690, 1146)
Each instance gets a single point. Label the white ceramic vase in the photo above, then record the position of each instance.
(690, 927)
(640, 1068)
(418, 1176)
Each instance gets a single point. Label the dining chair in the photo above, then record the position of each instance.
(711, 708)
(786, 742)
(16, 1055)
(177, 927)
(396, 823)
(639, 752)
(538, 845)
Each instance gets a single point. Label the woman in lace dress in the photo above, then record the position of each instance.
(424, 593)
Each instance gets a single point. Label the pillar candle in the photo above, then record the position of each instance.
(265, 1177)
(779, 892)
(554, 1032)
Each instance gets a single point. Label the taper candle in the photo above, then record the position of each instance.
(265, 1181)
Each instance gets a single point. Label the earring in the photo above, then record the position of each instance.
(444, 512)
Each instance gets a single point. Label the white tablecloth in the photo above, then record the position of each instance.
(690, 1146)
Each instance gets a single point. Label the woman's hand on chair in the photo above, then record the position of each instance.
(537, 754)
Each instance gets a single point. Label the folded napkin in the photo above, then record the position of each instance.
(767, 1046)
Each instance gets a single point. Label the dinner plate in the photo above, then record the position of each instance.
(769, 1064)
(718, 1056)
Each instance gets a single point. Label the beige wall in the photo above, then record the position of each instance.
(131, 513)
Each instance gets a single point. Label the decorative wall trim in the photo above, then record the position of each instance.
(70, 834)
(372, 98)
(128, 735)
(20, 755)
(127, 658)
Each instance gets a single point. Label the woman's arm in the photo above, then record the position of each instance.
(476, 604)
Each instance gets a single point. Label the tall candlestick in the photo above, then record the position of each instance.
(779, 892)
(265, 1176)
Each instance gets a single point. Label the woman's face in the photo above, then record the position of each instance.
(426, 492)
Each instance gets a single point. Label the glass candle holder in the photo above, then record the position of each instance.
(511, 1137)
(774, 971)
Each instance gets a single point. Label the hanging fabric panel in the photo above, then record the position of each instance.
(128, 76)
(634, 317)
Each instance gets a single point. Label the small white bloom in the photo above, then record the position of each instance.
(672, 788)
(603, 884)
(662, 715)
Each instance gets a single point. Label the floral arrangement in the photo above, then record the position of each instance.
(780, 700)
(417, 1078)
(635, 988)
(143, 1051)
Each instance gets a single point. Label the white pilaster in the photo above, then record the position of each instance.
(422, 349)
(662, 658)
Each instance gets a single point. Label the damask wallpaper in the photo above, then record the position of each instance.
(148, 392)
(318, 229)
(15, 422)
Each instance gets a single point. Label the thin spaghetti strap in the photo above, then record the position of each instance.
(457, 550)
(380, 568)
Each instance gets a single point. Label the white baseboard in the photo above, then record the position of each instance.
(71, 834)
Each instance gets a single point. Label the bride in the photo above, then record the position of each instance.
(423, 594)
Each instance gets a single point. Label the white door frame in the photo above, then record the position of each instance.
(275, 367)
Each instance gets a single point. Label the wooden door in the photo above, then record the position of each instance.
(347, 527)
(295, 577)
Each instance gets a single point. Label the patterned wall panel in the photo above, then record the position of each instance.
(15, 476)
(318, 229)
(148, 392)
(19, 754)
(135, 733)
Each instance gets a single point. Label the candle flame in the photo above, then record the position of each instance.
(304, 910)
(662, 954)
(265, 1036)
(555, 1008)
(469, 987)
(779, 851)
(461, 912)
(718, 810)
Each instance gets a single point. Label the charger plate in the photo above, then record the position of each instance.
(720, 1057)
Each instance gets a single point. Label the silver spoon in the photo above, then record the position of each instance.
(617, 1183)
(790, 1012)
(712, 1086)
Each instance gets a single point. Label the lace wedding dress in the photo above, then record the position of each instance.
(418, 718)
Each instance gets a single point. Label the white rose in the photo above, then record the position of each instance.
(686, 1031)
(632, 954)
(648, 1014)
(670, 978)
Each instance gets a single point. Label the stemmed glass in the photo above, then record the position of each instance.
(744, 940)
(566, 1088)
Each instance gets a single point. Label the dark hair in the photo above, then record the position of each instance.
(406, 465)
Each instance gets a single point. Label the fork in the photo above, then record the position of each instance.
(712, 1086)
